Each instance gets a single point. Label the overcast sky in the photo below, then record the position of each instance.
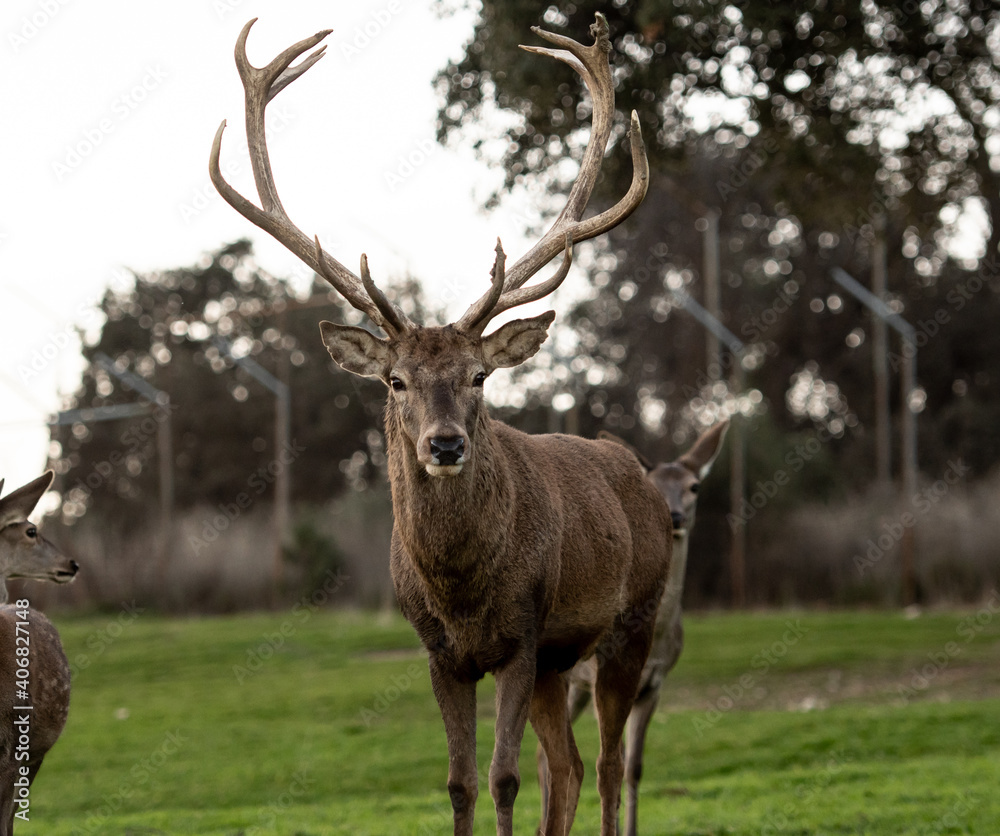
(109, 109)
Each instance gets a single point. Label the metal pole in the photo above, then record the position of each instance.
(908, 439)
(908, 442)
(880, 352)
(737, 495)
(713, 355)
(165, 451)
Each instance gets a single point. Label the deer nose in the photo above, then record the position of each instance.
(74, 567)
(447, 450)
(678, 518)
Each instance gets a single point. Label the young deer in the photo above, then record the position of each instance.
(27, 735)
(678, 483)
(511, 554)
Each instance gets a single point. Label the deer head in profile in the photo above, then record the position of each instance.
(24, 552)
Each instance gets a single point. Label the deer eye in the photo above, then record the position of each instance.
(694, 487)
(397, 384)
(31, 531)
(479, 379)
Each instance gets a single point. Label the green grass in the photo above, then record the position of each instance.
(309, 722)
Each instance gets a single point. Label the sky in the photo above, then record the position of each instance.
(109, 110)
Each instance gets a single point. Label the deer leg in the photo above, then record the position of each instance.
(542, 763)
(457, 700)
(564, 773)
(635, 741)
(618, 674)
(515, 684)
(578, 699)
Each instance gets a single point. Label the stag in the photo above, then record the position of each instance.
(678, 482)
(511, 554)
(28, 642)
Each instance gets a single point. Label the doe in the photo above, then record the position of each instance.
(678, 482)
(28, 642)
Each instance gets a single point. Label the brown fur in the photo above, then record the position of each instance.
(533, 553)
(511, 554)
(677, 482)
(25, 553)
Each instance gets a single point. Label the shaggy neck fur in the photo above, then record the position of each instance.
(453, 528)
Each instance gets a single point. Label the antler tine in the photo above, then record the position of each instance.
(523, 295)
(394, 318)
(479, 314)
(591, 63)
(261, 84)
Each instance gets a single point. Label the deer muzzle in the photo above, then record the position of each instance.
(64, 574)
(445, 454)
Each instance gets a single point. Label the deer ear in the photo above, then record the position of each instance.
(514, 342)
(357, 350)
(19, 504)
(704, 451)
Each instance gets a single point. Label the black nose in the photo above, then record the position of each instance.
(74, 567)
(447, 451)
(678, 519)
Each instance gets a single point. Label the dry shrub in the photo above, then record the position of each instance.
(215, 563)
(849, 552)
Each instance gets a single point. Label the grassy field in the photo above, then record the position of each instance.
(311, 722)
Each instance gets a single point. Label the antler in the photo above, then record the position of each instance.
(262, 84)
(591, 62)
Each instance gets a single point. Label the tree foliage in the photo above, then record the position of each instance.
(807, 129)
(176, 330)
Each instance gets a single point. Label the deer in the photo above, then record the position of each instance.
(678, 482)
(33, 707)
(511, 554)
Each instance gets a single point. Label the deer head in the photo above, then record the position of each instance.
(24, 553)
(435, 375)
(679, 481)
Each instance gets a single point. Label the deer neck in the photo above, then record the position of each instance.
(670, 603)
(457, 523)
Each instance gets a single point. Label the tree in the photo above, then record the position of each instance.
(173, 329)
(863, 108)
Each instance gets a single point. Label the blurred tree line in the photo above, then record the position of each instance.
(177, 330)
(805, 130)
